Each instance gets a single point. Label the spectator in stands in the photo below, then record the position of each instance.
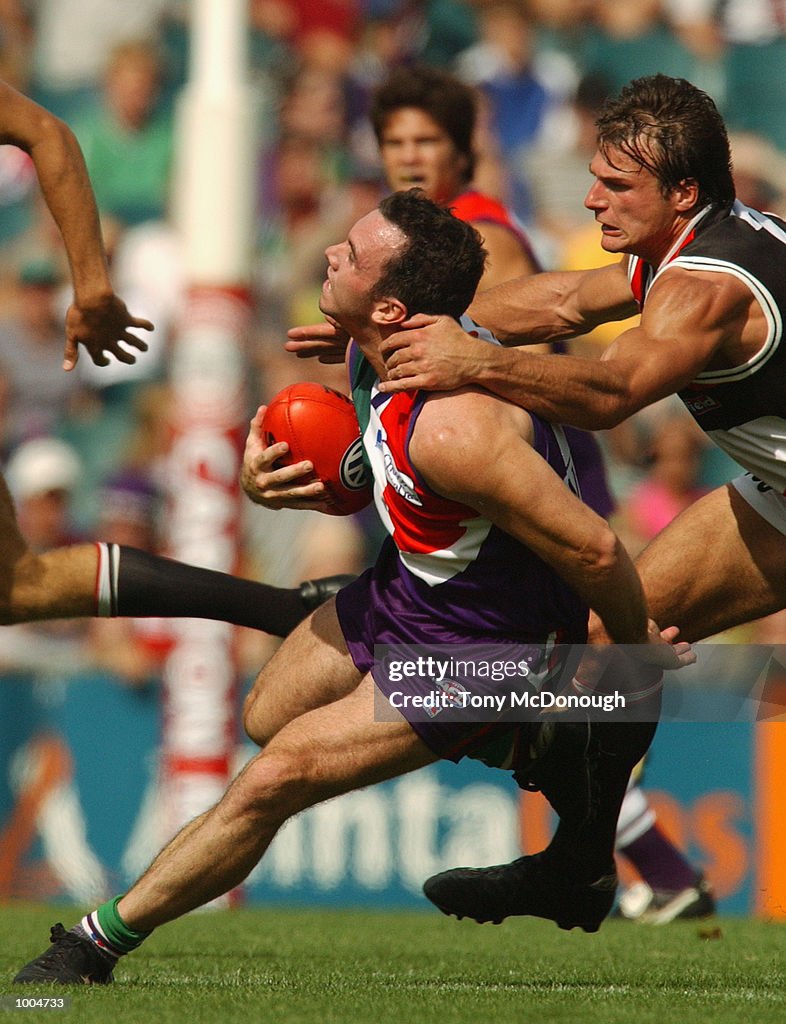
(34, 391)
(673, 481)
(627, 40)
(42, 476)
(127, 138)
(70, 43)
(502, 65)
(755, 63)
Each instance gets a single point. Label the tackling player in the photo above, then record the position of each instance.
(709, 277)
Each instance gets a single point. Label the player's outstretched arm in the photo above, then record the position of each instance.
(277, 487)
(435, 354)
(97, 319)
(687, 319)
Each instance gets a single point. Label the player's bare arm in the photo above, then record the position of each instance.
(97, 319)
(474, 448)
(554, 305)
(272, 486)
(434, 352)
(691, 319)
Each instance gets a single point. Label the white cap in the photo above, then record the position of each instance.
(45, 464)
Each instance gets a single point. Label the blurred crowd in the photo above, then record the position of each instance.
(86, 452)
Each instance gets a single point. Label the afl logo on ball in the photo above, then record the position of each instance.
(352, 470)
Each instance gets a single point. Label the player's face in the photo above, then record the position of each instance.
(417, 152)
(634, 215)
(354, 267)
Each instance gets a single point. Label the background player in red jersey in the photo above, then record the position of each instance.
(425, 122)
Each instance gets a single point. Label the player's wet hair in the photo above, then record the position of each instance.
(439, 269)
(675, 131)
(447, 100)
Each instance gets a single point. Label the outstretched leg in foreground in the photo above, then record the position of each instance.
(319, 754)
(87, 580)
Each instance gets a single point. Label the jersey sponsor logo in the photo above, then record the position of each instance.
(701, 404)
(401, 483)
(352, 470)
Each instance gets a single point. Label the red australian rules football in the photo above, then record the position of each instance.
(319, 424)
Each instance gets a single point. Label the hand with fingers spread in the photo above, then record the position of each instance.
(661, 649)
(100, 326)
(98, 319)
(635, 670)
(326, 341)
(267, 482)
(431, 352)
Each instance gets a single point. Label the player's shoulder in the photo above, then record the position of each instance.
(720, 281)
(460, 436)
(466, 420)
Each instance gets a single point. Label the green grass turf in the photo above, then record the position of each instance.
(355, 967)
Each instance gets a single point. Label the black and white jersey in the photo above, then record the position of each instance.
(743, 408)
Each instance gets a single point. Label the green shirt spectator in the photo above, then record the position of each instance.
(128, 140)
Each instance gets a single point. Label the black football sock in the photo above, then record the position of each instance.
(137, 584)
(585, 849)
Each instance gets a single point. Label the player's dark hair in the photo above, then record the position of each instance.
(675, 131)
(446, 100)
(439, 269)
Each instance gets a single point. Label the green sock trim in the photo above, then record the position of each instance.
(115, 929)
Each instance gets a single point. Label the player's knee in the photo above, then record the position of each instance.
(257, 725)
(276, 784)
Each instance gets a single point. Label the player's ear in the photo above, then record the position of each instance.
(686, 194)
(389, 311)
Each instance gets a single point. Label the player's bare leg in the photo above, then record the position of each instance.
(283, 692)
(328, 751)
(717, 565)
(324, 753)
(58, 584)
(66, 583)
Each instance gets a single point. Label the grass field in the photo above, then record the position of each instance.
(353, 967)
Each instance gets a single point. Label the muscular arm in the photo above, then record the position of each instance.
(554, 305)
(435, 354)
(98, 318)
(691, 318)
(471, 447)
